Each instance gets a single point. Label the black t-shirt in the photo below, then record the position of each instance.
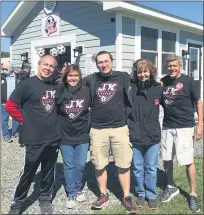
(179, 98)
(37, 101)
(73, 117)
(108, 104)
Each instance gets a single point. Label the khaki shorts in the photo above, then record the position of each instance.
(178, 142)
(114, 139)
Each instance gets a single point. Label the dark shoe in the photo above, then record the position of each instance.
(21, 145)
(101, 202)
(169, 193)
(127, 203)
(17, 211)
(193, 204)
(152, 204)
(140, 201)
(46, 207)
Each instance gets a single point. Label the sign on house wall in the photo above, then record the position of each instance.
(90, 65)
(51, 25)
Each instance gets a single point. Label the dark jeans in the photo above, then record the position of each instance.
(36, 154)
(145, 160)
(74, 160)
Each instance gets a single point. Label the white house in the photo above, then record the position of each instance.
(127, 30)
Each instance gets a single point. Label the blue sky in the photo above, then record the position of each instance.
(189, 10)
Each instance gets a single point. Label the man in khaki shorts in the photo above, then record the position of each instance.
(111, 93)
(179, 98)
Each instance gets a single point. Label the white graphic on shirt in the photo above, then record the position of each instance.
(106, 91)
(171, 92)
(74, 108)
(48, 100)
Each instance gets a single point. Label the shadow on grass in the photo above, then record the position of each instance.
(113, 184)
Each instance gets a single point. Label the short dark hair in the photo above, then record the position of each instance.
(103, 52)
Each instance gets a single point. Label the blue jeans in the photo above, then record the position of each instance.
(145, 160)
(5, 121)
(74, 159)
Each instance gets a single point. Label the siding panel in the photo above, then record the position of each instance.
(87, 20)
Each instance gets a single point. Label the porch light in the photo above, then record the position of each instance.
(185, 54)
(24, 57)
(78, 51)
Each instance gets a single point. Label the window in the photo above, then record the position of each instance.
(156, 45)
(149, 48)
(168, 47)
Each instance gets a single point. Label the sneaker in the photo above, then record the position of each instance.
(8, 140)
(46, 207)
(17, 211)
(140, 201)
(169, 193)
(101, 202)
(80, 197)
(127, 203)
(193, 204)
(71, 202)
(152, 204)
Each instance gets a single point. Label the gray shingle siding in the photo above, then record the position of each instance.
(128, 43)
(92, 26)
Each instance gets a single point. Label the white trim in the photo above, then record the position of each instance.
(202, 72)
(19, 13)
(125, 7)
(137, 40)
(118, 43)
(159, 51)
(48, 42)
(11, 53)
(177, 42)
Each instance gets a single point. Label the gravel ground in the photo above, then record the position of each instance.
(12, 160)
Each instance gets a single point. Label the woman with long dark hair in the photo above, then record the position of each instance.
(73, 101)
(145, 131)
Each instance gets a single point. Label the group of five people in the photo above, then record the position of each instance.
(113, 112)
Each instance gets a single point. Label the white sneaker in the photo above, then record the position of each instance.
(80, 197)
(71, 202)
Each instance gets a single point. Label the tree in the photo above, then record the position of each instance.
(5, 54)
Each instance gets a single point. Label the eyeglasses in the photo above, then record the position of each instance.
(100, 63)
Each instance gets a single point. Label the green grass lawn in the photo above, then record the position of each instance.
(179, 204)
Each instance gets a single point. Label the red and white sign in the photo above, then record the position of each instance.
(51, 25)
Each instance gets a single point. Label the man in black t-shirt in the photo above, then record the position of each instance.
(36, 97)
(179, 97)
(111, 93)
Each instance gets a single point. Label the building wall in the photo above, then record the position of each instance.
(87, 20)
(128, 43)
(184, 36)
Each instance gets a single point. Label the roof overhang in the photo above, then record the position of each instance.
(19, 13)
(128, 8)
(23, 8)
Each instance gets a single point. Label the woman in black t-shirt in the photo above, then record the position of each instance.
(73, 101)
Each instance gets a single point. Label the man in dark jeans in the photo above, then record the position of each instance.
(41, 135)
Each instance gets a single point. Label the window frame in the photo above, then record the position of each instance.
(160, 28)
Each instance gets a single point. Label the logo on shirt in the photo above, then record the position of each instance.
(156, 102)
(106, 91)
(48, 100)
(171, 92)
(74, 108)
